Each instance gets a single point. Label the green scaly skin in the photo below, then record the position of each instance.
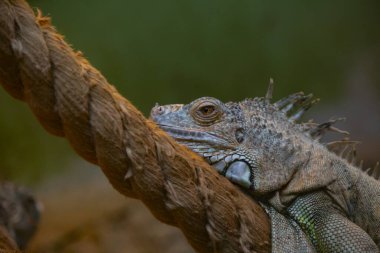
(257, 146)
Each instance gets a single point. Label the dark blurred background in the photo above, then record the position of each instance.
(173, 51)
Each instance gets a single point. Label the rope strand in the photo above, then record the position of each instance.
(70, 98)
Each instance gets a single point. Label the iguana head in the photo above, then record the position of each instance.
(213, 129)
(233, 137)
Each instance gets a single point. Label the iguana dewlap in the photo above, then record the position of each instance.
(257, 146)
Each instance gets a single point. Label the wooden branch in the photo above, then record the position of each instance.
(72, 99)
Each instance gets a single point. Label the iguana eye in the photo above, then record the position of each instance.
(206, 112)
(207, 109)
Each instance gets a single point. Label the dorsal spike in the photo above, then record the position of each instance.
(341, 154)
(339, 144)
(307, 126)
(287, 108)
(368, 171)
(297, 115)
(289, 99)
(361, 164)
(376, 171)
(353, 155)
(269, 94)
(321, 129)
(348, 155)
(339, 131)
(304, 107)
(298, 101)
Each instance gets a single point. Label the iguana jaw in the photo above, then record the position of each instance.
(216, 151)
(196, 138)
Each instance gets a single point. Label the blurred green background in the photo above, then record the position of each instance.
(173, 51)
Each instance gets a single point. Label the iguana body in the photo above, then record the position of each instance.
(282, 163)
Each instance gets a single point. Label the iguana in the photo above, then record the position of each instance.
(19, 214)
(283, 164)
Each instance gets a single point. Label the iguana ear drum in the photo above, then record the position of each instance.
(239, 135)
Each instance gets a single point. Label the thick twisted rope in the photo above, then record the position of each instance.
(72, 99)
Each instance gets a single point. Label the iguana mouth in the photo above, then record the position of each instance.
(216, 151)
(189, 135)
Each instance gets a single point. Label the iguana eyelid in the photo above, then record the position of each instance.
(206, 118)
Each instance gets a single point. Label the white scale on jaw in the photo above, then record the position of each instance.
(232, 166)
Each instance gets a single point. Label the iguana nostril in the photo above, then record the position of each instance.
(158, 110)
